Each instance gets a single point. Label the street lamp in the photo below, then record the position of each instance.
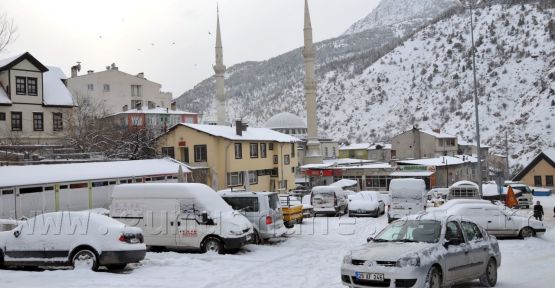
(476, 103)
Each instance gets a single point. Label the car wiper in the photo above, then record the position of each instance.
(380, 240)
(406, 240)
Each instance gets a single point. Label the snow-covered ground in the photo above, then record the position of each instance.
(309, 257)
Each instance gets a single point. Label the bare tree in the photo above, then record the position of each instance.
(7, 31)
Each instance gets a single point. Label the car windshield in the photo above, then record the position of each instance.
(411, 231)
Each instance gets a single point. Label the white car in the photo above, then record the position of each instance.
(498, 220)
(366, 203)
(72, 239)
(424, 250)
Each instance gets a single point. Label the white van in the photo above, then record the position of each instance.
(408, 196)
(328, 200)
(181, 216)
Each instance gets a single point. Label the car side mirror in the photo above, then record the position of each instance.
(369, 239)
(16, 233)
(204, 217)
(453, 242)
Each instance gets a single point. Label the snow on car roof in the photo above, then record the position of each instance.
(344, 183)
(252, 134)
(57, 173)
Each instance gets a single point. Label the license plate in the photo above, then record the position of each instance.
(369, 276)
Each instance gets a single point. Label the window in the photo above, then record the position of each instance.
(58, 123)
(537, 179)
(32, 86)
(16, 121)
(254, 150)
(549, 181)
(2, 116)
(30, 190)
(283, 184)
(38, 121)
(185, 156)
(376, 181)
(472, 231)
(326, 154)
(453, 231)
(293, 169)
(270, 146)
(276, 159)
(286, 159)
(234, 179)
(168, 151)
(136, 91)
(253, 177)
(263, 150)
(245, 204)
(238, 151)
(20, 85)
(200, 153)
(106, 87)
(90, 87)
(292, 150)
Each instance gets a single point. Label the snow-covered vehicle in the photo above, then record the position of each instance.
(366, 203)
(181, 216)
(464, 190)
(263, 209)
(525, 196)
(498, 220)
(83, 239)
(408, 196)
(328, 200)
(424, 250)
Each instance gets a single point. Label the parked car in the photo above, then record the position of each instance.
(366, 203)
(525, 194)
(424, 250)
(408, 196)
(328, 200)
(72, 239)
(498, 220)
(263, 210)
(181, 216)
(292, 210)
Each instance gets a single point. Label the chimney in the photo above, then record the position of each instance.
(75, 69)
(437, 130)
(239, 128)
(244, 126)
(173, 106)
(113, 66)
(90, 71)
(141, 75)
(107, 68)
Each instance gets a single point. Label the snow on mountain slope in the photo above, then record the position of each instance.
(402, 14)
(427, 81)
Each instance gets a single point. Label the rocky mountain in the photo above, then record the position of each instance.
(373, 84)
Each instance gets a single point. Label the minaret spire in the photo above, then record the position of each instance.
(313, 154)
(219, 70)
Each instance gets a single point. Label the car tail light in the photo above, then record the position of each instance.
(131, 238)
(268, 220)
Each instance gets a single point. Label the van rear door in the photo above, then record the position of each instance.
(323, 200)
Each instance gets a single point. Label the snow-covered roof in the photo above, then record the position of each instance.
(411, 173)
(550, 153)
(370, 166)
(55, 92)
(9, 60)
(344, 183)
(285, 120)
(58, 173)
(347, 161)
(157, 110)
(355, 146)
(464, 183)
(441, 161)
(438, 135)
(317, 166)
(252, 134)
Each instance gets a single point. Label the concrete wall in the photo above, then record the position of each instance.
(119, 93)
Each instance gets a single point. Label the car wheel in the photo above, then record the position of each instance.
(257, 239)
(85, 259)
(288, 225)
(212, 244)
(527, 232)
(433, 279)
(1, 259)
(116, 267)
(489, 279)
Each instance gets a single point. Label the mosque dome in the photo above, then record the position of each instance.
(285, 120)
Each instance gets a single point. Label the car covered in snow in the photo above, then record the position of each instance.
(79, 239)
(408, 197)
(366, 203)
(424, 250)
(498, 220)
(328, 200)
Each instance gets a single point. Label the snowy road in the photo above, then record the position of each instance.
(309, 257)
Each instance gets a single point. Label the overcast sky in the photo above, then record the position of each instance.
(139, 35)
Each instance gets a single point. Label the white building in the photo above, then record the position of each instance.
(34, 101)
(115, 91)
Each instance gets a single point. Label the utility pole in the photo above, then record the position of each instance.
(507, 173)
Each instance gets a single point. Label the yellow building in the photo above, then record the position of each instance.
(539, 172)
(232, 156)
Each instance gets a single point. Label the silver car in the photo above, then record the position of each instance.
(424, 250)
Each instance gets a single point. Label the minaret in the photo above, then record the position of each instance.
(313, 154)
(219, 69)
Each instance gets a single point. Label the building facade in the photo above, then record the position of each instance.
(540, 171)
(35, 104)
(258, 159)
(115, 91)
(417, 144)
(158, 119)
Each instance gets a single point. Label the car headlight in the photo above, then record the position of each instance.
(234, 232)
(408, 261)
(347, 259)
